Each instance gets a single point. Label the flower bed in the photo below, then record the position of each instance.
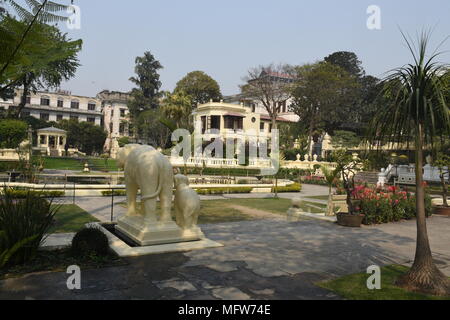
(388, 205)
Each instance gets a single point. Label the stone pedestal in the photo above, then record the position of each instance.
(146, 233)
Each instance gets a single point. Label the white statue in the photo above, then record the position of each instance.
(306, 158)
(147, 169)
(187, 203)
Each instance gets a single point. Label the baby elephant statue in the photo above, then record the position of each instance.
(187, 203)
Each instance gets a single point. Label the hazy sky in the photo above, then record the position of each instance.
(225, 38)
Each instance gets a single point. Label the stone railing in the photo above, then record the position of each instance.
(405, 174)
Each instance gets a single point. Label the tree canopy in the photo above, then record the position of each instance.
(200, 86)
(45, 59)
(146, 94)
(12, 133)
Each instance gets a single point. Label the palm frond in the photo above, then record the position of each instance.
(416, 94)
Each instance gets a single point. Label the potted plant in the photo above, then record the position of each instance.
(443, 164)
(347, 166)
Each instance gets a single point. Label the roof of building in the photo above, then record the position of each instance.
(52, 129)
(280, 119)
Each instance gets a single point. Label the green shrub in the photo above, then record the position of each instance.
(377, 211)
(295, 187)
(23, 225)
(90, 242)
(117, 193)
(8, 166)
(224, 190)
(22, 194)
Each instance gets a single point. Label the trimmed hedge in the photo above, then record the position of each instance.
(295, 187)
(222, 171)
(224, 190)
(117, 193)
(23, 194)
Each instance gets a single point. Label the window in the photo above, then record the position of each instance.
(215, 122)
(122, 112)
(42, 140)
(253, 120)
(203, 124)
(44, 116)
(59, 117)
(253, 107)
(45, 101)
(26, 114)
(92, 106)
(74, 118)
(121, 129)
(261, 126)
(60, 103)
(75, 104)
(91, 120)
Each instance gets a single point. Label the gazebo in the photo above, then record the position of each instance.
(53, 140)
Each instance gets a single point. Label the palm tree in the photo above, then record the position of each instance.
(416, 107)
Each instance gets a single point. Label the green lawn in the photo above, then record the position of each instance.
(318, 197)
(220, 211)
(100, 164)
(78, 165)
(71, 218)
(212, 212)
(63, 164)
(354, 287)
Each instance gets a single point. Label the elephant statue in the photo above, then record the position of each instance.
(187, 203)
(150, 171)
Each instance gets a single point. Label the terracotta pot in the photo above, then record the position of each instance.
(441, 210)
(349, 220)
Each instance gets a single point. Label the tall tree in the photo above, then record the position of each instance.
(322, 96)
(200, 86)
(348, 61)
(146, 95)
(177, 107)
(153, 131)
(270, 86)
(416, 108)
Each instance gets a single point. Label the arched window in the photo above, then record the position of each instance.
(92, 106)
(75, 104)
(60, 102)
(45, 101)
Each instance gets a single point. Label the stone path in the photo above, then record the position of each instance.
(258, 214)
(262, 259)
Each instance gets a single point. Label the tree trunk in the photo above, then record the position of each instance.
(444, 189)
(330, 206)
(423, 276)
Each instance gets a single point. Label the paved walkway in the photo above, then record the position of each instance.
(263, 259)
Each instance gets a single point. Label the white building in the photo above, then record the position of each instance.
(116, 118)
(57, 106)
